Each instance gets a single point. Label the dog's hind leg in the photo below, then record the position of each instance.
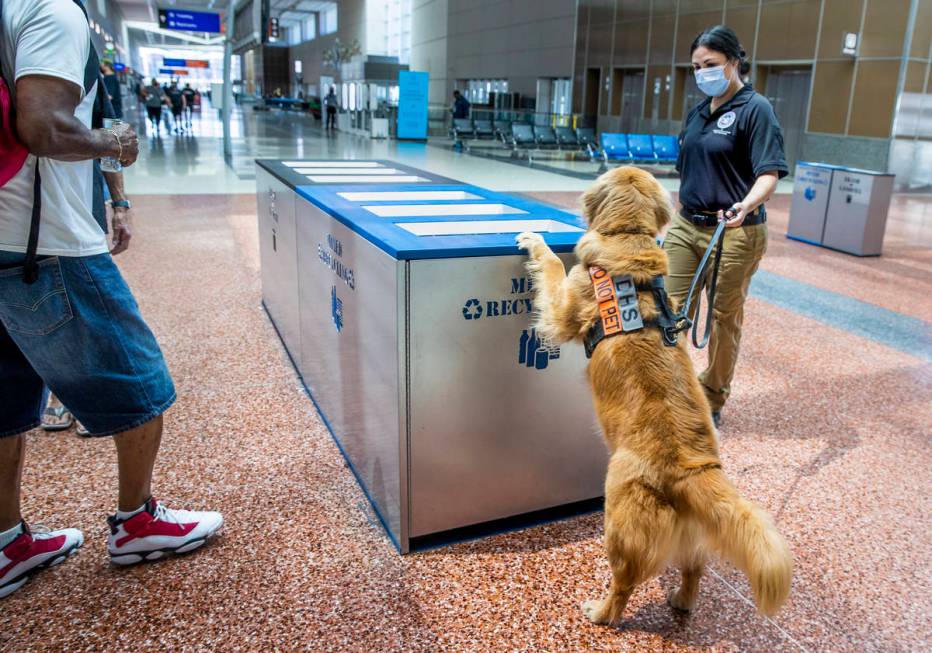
(684, 599)
(691, 559)
(609, 609)
(639, 531)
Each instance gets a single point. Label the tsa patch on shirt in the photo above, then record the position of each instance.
(727, 120)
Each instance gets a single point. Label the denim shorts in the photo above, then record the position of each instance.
(78, 332)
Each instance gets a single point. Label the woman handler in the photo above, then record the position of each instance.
(731, 156)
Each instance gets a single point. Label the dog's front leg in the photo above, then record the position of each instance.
(544, 266)
(555, 300)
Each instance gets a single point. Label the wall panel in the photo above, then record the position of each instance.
(884, 28)
(839, 17)
(874, 99)
(829, 104)
(788, 30)
(689, 27)
(631, 42)
(744, 21)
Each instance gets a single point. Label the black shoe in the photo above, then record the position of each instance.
(717, 418)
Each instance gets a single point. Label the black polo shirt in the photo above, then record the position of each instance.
(723, 153)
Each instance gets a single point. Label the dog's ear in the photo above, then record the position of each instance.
(663, 206)
(594, 199)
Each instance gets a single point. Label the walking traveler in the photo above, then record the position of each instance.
(154, 97)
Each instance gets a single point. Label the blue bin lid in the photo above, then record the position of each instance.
(288, 175)
(386, 234)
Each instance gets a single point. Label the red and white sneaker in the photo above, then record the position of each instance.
(158, 531)
(32, 552)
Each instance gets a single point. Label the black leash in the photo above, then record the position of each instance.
(669, 323)
(682, 320)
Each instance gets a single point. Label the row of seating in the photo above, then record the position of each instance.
(524, 136)
(639, 148)
(521, 135)
(634, 148)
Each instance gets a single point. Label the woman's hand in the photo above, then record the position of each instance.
(736, 220)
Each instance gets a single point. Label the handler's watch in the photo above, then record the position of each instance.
(121, 204)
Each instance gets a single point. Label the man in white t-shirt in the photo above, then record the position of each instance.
(68, 321)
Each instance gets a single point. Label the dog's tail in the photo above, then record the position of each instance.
(744, 535)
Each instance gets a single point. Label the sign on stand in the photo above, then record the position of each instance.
(412, 105)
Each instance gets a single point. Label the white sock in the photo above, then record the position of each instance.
(126, 515)
(8, 536)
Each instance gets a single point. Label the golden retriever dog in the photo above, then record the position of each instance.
(667, 500)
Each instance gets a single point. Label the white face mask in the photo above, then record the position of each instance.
(712, 81)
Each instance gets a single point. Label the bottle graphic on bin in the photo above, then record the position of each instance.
(533, 353)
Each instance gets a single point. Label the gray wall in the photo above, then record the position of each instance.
(429, 42)
(351, 25)
(517, 40)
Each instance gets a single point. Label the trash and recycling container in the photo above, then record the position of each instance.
(840, 208)
(414, 339)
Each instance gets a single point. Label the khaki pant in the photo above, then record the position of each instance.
(744, 247)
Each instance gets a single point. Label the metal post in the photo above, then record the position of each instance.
(228, 82)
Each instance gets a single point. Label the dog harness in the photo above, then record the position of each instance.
(619, 311)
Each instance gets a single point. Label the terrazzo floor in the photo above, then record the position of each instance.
(827, 430)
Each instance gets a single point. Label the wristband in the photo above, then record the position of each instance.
(121, 204)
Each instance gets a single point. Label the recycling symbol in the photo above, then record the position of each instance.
(809, 193)
(472, 310)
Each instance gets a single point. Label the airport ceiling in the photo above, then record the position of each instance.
(289, 12)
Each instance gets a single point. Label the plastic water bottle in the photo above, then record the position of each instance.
(108, 163)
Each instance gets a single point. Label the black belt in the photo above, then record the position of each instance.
(710, 218)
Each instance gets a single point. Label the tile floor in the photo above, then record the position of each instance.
(828, 430)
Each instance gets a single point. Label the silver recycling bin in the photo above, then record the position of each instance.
(415, 339)
(811, 188)
(857, 211)
(276, 182)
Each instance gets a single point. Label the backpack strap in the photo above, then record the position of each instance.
(31, 264)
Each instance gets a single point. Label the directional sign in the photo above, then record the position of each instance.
(172, 72)
(119, 67)
(189, 21)
(185, 63)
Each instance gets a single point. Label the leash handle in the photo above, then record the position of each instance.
(683, 321)
(718, 240)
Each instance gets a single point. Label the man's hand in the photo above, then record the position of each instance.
(735, 215)
(121, 230)
(129, 141)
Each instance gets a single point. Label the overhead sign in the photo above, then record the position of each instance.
(412, 105)
(119, 67)
(185, 63)
(189, 21)
(172, 72)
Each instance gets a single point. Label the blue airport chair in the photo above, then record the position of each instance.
(641, 148)
(615, 147)
(503, 131)
(522, 136)
(566, 137)
(667, 148)
(545, 137)
(484, 129)
(463, 129)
